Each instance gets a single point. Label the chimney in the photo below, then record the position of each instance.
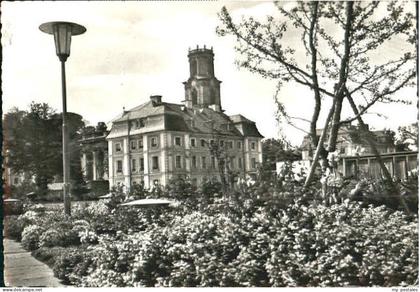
(156, 99)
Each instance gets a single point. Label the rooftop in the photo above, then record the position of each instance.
(177, 117)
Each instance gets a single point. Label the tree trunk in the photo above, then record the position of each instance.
(319, 150)
(317, 94)
(339, 90)
(369, 139)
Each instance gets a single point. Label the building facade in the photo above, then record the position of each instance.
(94, 152)
(157, 141)
(355, 156)
(350, 142)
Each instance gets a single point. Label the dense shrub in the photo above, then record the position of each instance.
(38, 227)
(65, 264)
(13, 227)
(30, 237)
(183, 190)
(265, 234)
(341, 245)
(99, 188)
(69, 264)
(50, 238)
(48, 255)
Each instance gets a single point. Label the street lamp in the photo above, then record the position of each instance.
(62, 32)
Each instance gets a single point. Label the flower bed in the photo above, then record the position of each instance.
(244, 239)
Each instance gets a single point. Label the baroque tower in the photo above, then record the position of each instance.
(202, 89)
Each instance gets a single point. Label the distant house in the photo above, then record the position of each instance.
(157, 140)
(355, 156)
(350, 142)
(94, 152)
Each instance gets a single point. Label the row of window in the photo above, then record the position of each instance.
(134, 167)
(138, 144)
(179, 165)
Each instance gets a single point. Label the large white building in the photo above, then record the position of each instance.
(157, 141)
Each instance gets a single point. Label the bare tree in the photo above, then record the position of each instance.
(346, 58)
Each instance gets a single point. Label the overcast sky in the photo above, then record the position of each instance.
(132, 50)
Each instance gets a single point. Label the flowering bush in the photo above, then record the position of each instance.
(343, 245)
(314, 245)
(30, 237)
(259, 235)
(48, 255)
(88, 236)
(97, 209)
(66, 262)
(81, 225)
(29, 217)
(49, 238)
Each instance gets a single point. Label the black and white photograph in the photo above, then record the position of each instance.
(225, 143)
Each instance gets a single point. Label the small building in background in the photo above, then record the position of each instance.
(355, 156)
(94, 157)
(350, 142)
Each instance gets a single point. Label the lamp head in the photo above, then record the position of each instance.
(62, 32)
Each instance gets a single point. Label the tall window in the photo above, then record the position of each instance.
(155, 162)
(239, 162)
(222, 143)
(194, 96)
(213, 162)
(140, 143)
(232, 162)
(230, 144)
(203, 162)
(253, 145)
(239, 145)
(203, 143)
(141, 164)
(178, 161)
(193, 67)
(118, 147)
(192, 142)
(133, 145)
(194, 162)
(133, 165)
(119, 166)
(153, 142)
(178, 141)
(253, 163)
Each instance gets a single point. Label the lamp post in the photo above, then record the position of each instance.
(62, 32)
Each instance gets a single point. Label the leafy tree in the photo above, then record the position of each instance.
(408, 137)
(342, 42)
(33, 140)
(274, 150)
(75, 125)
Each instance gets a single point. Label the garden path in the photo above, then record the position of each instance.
(23, 270)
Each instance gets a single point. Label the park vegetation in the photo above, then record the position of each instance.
(272, 233)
